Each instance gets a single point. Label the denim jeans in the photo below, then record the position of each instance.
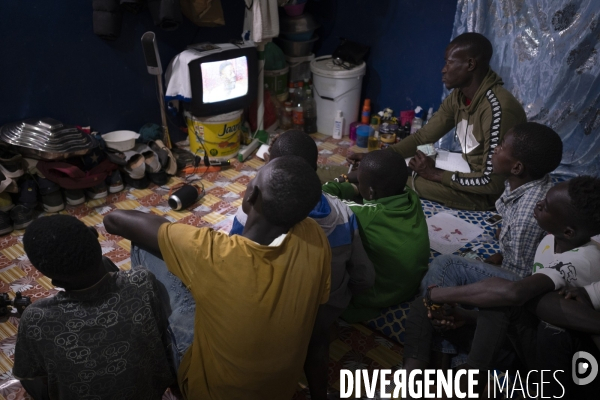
(453, 270)
(178, 302)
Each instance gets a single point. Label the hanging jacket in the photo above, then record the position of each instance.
(480, 127)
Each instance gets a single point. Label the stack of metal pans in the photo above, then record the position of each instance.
(46, 139)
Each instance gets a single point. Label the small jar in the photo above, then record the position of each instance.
(387, 139)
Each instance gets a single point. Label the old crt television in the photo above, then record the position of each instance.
(223, 79)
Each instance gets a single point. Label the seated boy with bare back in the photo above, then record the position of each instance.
(255, 296)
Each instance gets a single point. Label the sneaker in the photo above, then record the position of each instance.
(5, 223)
(47, 186)
(158, 178)
(53, 202)
(97, 192)
(5, 182)
(115, 182)
(136, 167)
(74, 196)
(21, 216)
(5, 202)
(28, 194)
(11, 164)
(152, 162)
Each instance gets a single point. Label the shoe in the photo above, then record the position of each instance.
(151, 160)
(28, 194)
(158, 178)
(97, 192)
(21, 216)
(53, 202)
(74, 196)
(11, 164)
(136, 167)
(115, 182)
(5, 182)
(5, 202)
(52, 199)
(5, 223)
(47, 186)
(142, 183)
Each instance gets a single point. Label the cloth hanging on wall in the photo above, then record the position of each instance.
(546, 51)
(261, 19)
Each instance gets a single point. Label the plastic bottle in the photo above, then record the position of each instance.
(307, 84)
(338, 125)
(298, 110)
(292, 92)
(310, 113)
(417, 121)
(299, 92)
(366, 112)
(286, 117)
(429, 115)
(375, 122)
(373, 141)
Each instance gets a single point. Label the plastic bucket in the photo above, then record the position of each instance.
(335, 89)
(278, 82)
(218, 135)
(299, 67)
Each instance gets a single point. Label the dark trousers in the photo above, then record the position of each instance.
(489, 343)
(556, 348)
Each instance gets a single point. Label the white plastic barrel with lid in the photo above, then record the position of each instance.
(336, 88)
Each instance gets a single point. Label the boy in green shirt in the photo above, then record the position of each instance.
(393, 230)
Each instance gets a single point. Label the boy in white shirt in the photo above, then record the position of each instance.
(567, 257)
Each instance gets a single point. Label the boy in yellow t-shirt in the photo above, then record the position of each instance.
(255, 295)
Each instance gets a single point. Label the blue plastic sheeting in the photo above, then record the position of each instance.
(546, 51)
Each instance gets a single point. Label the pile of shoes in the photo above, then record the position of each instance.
(145, 163)
(11, 216)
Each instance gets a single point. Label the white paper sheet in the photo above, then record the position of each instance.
(448, 234)
(451, 161)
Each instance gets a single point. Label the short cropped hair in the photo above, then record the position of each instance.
(584, 192)
(61, 244)
(538, 147)
(295, 143)
(224, 65)
(386, 171)
(293, 189)
(476, 45)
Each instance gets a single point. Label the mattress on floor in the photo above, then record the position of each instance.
(391, 322)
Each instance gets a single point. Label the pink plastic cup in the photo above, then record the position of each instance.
(294, 10)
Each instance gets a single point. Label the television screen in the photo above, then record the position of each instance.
(224, 80)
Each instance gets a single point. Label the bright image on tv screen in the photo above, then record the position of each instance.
(224, 80)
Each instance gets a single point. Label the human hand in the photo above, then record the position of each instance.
(355, 159)
(353, 177)
(578, 294)
(446, 317)
(495, 259)
(423, 165)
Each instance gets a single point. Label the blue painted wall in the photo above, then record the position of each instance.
(407, 40)
(53, 65)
